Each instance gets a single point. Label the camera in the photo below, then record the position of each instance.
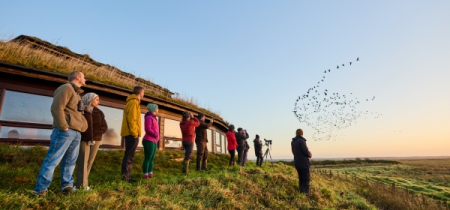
(268, 142)
(80, 106)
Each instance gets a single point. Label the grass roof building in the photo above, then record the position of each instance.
(31, 69)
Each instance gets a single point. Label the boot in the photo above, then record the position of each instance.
(198, 166)
(205, 165)
(230, 163)
(185, 167)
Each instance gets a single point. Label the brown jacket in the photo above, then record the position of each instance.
(96, 125)
(64, 108)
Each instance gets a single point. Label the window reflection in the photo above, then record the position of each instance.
(217, 138)
(113, 117)
(224, 144)
(24, 107)
(24, 133)
(209, 136)
(172, 128)
(172, 143)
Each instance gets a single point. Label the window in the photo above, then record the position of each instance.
(217, 142)
(172, 134)
(7, 132)
(113, 117)
(224, 144)
(24, 107)
(209, 137)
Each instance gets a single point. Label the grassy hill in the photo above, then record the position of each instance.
(222, 188)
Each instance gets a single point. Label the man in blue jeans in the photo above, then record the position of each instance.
(68, 122)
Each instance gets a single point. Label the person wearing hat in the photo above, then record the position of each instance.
(187, 126)
(90, 139)
(150, 140)
(301, 160)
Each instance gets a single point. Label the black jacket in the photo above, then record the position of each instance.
(200, 132)
(258, 147)
(240, 140)
(96, 125)
(247, 147)
(301, 152)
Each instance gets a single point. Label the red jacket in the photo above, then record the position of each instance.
(188, 129)
(231, 139)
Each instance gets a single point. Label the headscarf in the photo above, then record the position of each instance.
(87, 100)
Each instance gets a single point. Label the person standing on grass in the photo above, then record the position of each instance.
(68, 122)
(131, 130)
(231, 139)
(258, 151)
(150, 140)
(90, 139)
(187, 126)
(301, 161)
(244, 158)
(201, 140)
(241, 136)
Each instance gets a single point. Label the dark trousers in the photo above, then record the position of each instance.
(232, 153)
(244, 157)
(303, 179)
(202, 151)
(188, 147)
(240, 152)
(131, 144)
(259, 158)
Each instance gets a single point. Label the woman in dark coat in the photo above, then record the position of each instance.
(90, 139)
(258, 151)
(301, 160)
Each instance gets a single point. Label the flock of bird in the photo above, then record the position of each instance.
(326, 111)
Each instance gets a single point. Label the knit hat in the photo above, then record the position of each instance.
(87, 100)
(299, 132)
(152, 107)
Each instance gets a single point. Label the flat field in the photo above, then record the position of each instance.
(430, 177)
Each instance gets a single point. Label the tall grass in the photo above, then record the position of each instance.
(24, 55)
(221, 188)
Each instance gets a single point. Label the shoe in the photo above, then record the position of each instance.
(131, 181)
(68, 190)
(185, 169)
(198, 166)
(150, 175)
(205, 165)
(39, 194)
(146, 176)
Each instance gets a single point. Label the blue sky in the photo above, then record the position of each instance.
(250, 60)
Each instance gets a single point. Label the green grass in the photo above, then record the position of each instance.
(221, 188)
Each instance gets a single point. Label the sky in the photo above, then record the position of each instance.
(250, 60)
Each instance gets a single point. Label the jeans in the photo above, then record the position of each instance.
(63, 148)
(131, 145)
(232, 153)
(188, 147)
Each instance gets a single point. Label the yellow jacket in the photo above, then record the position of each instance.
(131, 123)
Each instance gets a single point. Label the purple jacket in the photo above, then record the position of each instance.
(151, 128)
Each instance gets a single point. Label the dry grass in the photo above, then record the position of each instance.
(24, 55)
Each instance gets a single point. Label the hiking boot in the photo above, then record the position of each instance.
(185, 169)
(39, 194)
(198, 166)
(68, 190)
(205, 165)
(131, 181)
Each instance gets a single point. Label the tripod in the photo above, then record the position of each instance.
(269, 155)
